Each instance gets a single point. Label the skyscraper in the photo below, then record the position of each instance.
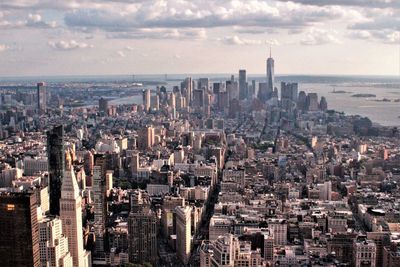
(100, 204)
(312, 102)
(270, 73)
(19, 231)
(71, 216)
(242, 84)
(103, 105)
(146, 99)
(289, 91)
(55, 156)
(183, 234)
(41, 97)
(146, 136)
(187, 90)
(142, 230)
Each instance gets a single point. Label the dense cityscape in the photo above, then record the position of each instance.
(232, 173)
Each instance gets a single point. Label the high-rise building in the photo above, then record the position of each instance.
(243, 85)
(264, 92)
(289, 91)
(41, 97)
(53, 244)
(133, 158)
(71, 216)
(302, 101)
(103, 105)
(19, 231)
(146, 138)
(155, 102)
(100, 204)
(323, 104)
(203, 83)
(183, 233)
(278, 228)
(146, 99)
(198, 98)
(270, 73)
(56, 159)
(187, 90)
(312, 102)
(142, 230)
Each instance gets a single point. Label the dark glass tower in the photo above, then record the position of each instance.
(56, 159)
(19, 230)
(242, 84)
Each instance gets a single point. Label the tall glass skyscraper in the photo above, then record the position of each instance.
(56, 159)
(242, 84)
(19, 230)
(270, 73)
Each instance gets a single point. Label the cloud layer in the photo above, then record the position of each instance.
(160, 30)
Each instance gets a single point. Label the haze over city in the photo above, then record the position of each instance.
(78, 37)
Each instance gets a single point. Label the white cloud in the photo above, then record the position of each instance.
(69, 45)
(316, 36)
(161, 33)
(35, 20)
(3, 47)
(361, 3)
(273, 42)
(200, 14)
(121, 53)
(235, 40)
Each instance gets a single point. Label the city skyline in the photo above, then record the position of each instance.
(119, 37)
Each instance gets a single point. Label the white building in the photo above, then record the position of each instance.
(53, 244)
(71, 216)
(183, 233)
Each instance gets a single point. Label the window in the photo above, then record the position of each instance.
(10, 207)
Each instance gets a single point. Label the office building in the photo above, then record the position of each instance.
(53, 244)
(289, 91)
(146, 99)
(56, 159)
(270, 73)
(71, 216)
(146, 138)
(278, 228)
(155, 103)
(203, 84)
(19, 231)
(243, 90)
(323, 104)
(41, 97)
(183, 233)
(103, 105)
(198, 98)
(187, 90)
(142, 230)
(364, 253)
(100, 204)
(312, 102)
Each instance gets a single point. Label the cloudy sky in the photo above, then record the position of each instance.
(68, 37)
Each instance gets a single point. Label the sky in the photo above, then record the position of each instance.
(99, 37)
